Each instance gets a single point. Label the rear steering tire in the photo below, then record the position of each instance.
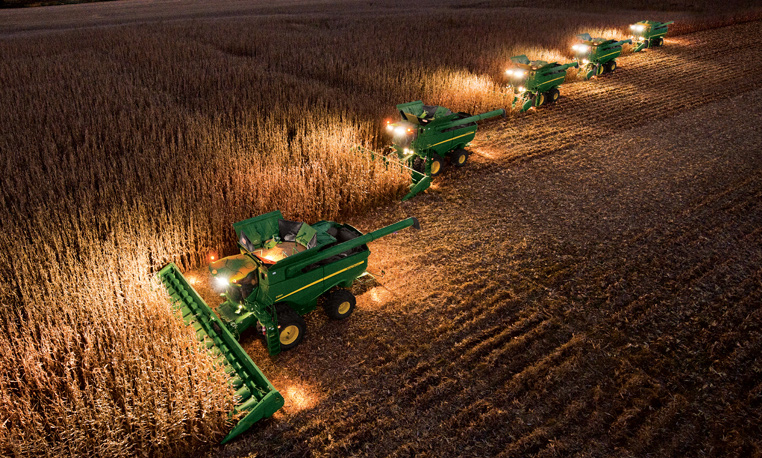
(459, 157)
(659, 42)
(553, 95)
(339, 304)
(291, 327)
(611, 66)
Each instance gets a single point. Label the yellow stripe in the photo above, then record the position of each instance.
(559, 78)
(435, 144)
(318, 281)
(609, 54)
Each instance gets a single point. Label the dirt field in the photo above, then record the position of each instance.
(592, 290)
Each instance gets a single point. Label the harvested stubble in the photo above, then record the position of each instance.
(127, 147)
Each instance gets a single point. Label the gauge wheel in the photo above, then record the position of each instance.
(291, 327)
(553, 95)
(437, 164)
(339, 304)
(459, 157)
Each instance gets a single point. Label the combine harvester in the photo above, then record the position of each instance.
(427, 134)
(283, 269)
(647, 34)
(597, 56)
(535, 83)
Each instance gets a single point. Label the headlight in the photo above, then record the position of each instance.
(221, 282)
(585, 61)
(522, 89)
(518, 73)
(509, 72)
(389, 127)
(399, 130)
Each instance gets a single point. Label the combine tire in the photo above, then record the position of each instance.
(611, 66)
(419, 164)
(339, 304)
(437, 164)
(459, 157)
(553, 95)
(539, 99)
(659, 42)
(599, 70)
(291, 327)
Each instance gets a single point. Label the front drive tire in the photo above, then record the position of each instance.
(419, 164)
(291, 327)
(437, 164)
(459, 157)
(339, 304)
(539, 99)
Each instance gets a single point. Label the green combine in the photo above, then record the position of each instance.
(597, 56)
(284, 270)
(647, 34)
(428, 134)
(535, 83)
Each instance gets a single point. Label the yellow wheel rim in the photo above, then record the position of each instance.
(540, 99)
(344, 307)
(289, 334)
(555, 96)
(613, 66)
(435, 167)
(600, 69)
(461, 158)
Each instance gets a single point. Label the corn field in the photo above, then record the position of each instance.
(125, 147)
